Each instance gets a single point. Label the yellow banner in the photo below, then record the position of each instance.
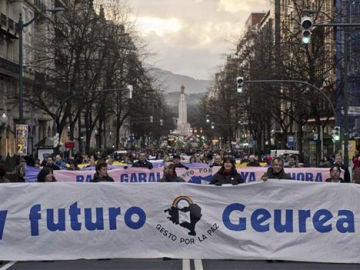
(21, 139)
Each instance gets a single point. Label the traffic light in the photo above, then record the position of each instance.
(131, 89)
(336, 133)
(151, 119)
(306, 25)
(161, 122)
(207, 119)
(239, 82)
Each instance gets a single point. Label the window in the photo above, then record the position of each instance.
(3, 19)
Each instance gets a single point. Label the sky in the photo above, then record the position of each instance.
(191, 37)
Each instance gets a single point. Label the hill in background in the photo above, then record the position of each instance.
(171, 84)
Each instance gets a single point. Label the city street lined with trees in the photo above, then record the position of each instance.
(76, 86)
(80, 64)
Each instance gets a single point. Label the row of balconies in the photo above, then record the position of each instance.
(8, 25)
(11, 26)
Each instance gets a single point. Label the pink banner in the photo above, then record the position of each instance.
(192, 175)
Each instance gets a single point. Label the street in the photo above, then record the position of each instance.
(177, 264)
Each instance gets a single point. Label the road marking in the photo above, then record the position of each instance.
(185, 264)
(8, 265)
(198, 264)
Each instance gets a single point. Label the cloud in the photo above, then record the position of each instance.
(236, 6)
(160, 26)
(191, 37)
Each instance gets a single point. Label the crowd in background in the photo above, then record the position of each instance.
(12, 169)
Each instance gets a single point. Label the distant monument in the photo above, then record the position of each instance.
(183, 127)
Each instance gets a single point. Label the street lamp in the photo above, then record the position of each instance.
(3, 124)
(4, 119)
(21, 26)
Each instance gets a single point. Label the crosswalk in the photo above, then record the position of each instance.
(7, 265)
(186, 264)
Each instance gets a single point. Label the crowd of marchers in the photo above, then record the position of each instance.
(227, 163)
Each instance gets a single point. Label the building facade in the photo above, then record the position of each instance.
(38, 125)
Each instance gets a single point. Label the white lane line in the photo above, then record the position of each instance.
(198, 264)
(185, 264)
(8, 265)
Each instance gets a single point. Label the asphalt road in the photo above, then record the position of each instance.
(174, 264)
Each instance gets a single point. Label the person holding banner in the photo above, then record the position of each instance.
(177, 162)
(170, 173)
(276, 170)
(227, 174)
(339, 161)
(335, 172)
(20, 171)
(143, 162)
(101, 174)
(46, 175)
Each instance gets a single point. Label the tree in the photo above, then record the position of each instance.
(91, 56)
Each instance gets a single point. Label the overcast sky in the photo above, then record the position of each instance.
(191, 37)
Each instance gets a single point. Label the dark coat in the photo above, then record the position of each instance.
(173, 178)
(281, 175)
(97, 178)
(221, 178)
(346, 173)
(254, 163)
(340, 180)
(143, 164)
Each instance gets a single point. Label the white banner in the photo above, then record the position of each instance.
(277, 219)
(192, 175)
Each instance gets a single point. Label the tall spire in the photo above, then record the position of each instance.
(101, 12)
(183, 127)
(182, 89)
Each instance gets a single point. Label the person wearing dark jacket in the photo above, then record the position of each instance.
(46, 174)
(227, 174)
(170, 173)
(339, 161)
(177, 163)
(217, 161)
(276, 170)
(142, 162)
(20, 171)
(253, 162)
(335, 172)
(101, 174)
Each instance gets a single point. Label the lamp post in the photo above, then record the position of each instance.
(4, 120)
(344, 75)
(3, 124)
(21, 101)
(21, 26)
